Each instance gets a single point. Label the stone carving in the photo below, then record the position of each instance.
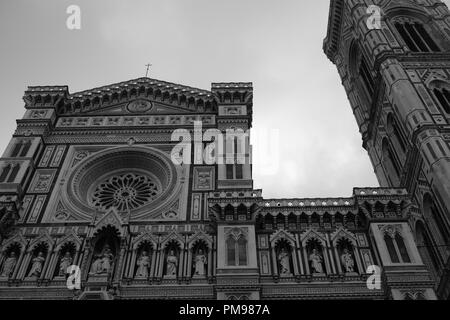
(65, 263)
(38, 114)
(139, 106)
(103, 262)
(200, 262)
(203, 178)
(43, 182)
(143, 265)
(36, 267)
(347, 261)
(8, 266)
(316, 261)
(172, 263)
(283, 259)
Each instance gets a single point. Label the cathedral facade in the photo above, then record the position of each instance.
(94, 205)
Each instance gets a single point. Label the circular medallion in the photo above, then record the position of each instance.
(139, 106)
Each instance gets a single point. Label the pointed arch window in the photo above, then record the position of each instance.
(402, 248)
(5, 173)
(391, 248)
(416, 37)
(14, 172)
(21, 149)
(443, 96)
(236, 248)
(236, 153)
(392, 168)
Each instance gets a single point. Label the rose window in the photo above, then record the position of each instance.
(125, 192)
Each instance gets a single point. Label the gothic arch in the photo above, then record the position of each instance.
(145, 237)
(432, 212)
(342, 233)
(313, 234)
(282, 235)
(172, 237)
(200, 236)
(72, 237)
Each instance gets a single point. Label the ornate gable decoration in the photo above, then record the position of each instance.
(111, 218)
(140, 96)
(18, 238)
(312, 234)
(70, 237)
(173, 236)
(343, 233)
(282, 235)
(200, 235)
(146, 236)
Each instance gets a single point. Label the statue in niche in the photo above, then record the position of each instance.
(102, 263)
(200, 262)
(97, 265)
(143, 265)
(65, 263)
(36, 267)
(172, 262)
(283, 259)
(347, 261)
(9, 265)
(316, 261)
(107, 259)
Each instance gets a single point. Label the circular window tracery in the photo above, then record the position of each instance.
(125, 192)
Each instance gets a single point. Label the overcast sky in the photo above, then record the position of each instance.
(277, 45)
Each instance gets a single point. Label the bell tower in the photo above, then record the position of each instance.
(394, 60)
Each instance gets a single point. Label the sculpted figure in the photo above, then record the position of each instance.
(347, 261)
(96, 267)
(66, 262)
(107, 259)
(316, 261)
(9, 265)
(143, 265)
(200, 262)
(283, 259)
(36, 267)
(172, 262)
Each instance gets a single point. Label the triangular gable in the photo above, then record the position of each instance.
(343, 233)
(18, 238)
(173, 236)
(282, 235)
(45, 237)
(111, 218)
(71, 237)
(200, 235)
(161, 94)
(312, 234)
(146, 236)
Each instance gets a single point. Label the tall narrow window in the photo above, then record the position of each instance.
(231, 251)
(242, 247)
(239, 173)
(236, 251)
(230, 171)
(14, 172)
(402, 248)
(366, 76)
(431, 211)
(416, 37)
(391, 248)
(25, 147)
(443, 96)
(391, 166)
(16, 149)
(5, 173)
